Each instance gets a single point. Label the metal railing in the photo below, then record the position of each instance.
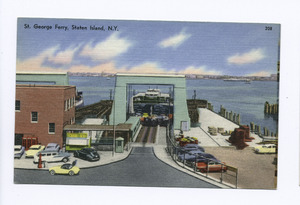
(201, 165)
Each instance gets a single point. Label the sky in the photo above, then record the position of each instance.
(159, 47)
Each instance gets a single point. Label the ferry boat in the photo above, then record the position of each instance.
(152, 96)
(238, 80)
(153, 102)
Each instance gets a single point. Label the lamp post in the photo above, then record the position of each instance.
(114, 121)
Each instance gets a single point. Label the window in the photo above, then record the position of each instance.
(18, 105)
(51, 128)
(66, 105)
(34, 116)
(69, 104)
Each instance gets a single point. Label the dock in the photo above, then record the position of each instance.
(208, 118)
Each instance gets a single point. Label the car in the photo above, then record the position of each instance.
(266, 149)
(68, 169)
(189, 155)
(201, 157)
(52, 147)
(211, 166)
(52, 156)
(19, 151)
(189, 147)
(33, 150)
(89, 154)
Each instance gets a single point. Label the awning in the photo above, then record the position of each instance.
(119, 127)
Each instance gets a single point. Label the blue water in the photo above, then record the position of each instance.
(245, 99)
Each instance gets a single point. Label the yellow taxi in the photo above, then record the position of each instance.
(266, 149)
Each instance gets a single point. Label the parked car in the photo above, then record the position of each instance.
(68, 168)
(189, 147)
(33, 149)
(211, 166)
(267, 148)
(89, 154)
(201, 157)
(189, 155)
(52, 156)
(52, 147)
(19, 151)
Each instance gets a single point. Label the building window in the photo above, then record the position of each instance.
(66, 105)
(69, 104)
(34, 116)
(18, 105)
(51, 128)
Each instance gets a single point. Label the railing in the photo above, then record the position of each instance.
(203, 166)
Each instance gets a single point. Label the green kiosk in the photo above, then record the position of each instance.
(120, 145)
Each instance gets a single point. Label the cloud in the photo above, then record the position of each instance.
(36, 63)
(252, 56)
(143, 68)
(260, 74)
(108, 67)
(147, 67)
(63, 57)
(202, 70)
(113, 46)
(174, 41)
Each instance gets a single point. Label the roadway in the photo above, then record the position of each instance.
(140, 168)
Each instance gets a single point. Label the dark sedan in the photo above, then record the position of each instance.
(188, 148)
(89, 154)
(201, 157)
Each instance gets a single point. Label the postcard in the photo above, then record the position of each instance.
(147, 103)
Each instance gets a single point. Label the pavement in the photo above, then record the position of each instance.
(106, 157)
(207, 118)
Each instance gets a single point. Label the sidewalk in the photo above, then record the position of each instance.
(106, 157)
(160, 152)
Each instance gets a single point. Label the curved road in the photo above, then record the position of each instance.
(141, 168)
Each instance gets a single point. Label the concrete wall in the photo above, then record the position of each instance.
(118, 114)
(43, 78)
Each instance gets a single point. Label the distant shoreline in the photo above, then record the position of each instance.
(272, 77)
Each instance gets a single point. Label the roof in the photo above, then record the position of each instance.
(42, 78)
(45, 86)
(36, 145)
(119, 127)
(93, 121)
(132, 120)
(52, 144)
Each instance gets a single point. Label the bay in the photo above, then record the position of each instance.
(245, 99)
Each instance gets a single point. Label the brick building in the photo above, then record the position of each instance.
(42, 111)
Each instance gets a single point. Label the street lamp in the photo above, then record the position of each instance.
(114, 121)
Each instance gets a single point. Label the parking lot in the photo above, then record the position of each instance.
(255, 171)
